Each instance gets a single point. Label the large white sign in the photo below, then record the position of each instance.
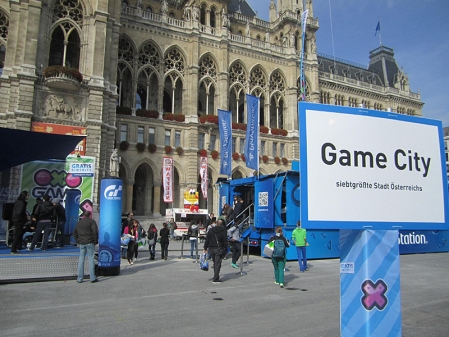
(363, 169)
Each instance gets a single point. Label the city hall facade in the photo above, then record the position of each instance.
(148, 76)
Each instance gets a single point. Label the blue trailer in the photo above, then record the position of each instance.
(274, 200)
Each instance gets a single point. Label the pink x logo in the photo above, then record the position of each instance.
(374, 294)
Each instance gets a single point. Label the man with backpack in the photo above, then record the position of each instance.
(279, 256)
(300, 241)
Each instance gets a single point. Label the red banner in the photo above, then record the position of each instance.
(204, 176)
(167, 179)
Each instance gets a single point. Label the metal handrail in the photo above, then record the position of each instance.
(242, 212)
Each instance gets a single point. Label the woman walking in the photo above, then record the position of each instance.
(152, 239)
(164, 234)
(140, 234)
(279, 254)
(131, 229)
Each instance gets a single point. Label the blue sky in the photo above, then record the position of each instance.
(417, 30)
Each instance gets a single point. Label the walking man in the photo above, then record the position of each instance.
(300, 241)
(86, 235)
(217, 242)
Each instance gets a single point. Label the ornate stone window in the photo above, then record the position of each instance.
(125, 50)
(149, 55)
(174, 67)
(4, 25)
(213, 17)
(203, 15)
(257, 78)
(126, 56)
(277, 93)
(238, 83)
(208, 68)
(277, 82)
(208, 79)
(174, 61)
(65, 41)
(237, 74)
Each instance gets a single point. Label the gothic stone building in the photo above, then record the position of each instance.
(147, 77)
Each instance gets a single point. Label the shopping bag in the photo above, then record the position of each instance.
(268, 249)
(142, 244)
(125, 240)
(204, 264)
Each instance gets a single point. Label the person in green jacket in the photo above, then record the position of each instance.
(300, 241)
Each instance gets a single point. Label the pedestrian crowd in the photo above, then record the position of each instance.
(221, 235)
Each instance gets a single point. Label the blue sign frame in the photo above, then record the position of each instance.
(303, 107)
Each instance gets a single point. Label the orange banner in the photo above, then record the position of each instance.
(63, 130)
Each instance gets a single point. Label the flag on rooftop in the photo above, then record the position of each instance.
(377, 28)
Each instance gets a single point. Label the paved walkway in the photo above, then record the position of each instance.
(175, 298)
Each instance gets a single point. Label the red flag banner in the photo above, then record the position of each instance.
(167, 179)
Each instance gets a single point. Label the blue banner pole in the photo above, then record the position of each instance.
(370, 297)
(110, 226)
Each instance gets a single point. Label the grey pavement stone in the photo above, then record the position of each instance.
(175, 298)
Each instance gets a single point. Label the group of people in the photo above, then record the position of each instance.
(215, 245)
(45, 212)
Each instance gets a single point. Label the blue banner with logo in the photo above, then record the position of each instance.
(264, 203)
(370, 298)
(252, 132)
(225, 127)
(110, 223)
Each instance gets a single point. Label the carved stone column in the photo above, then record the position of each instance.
(129, 195)
(157, 198)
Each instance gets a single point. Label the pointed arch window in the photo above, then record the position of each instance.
(65, 42)
(203, 15)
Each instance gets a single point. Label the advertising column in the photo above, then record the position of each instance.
(110, 226)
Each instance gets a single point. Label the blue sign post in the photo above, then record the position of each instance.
(72, 211)
(110, 226)
(370, 301)
(371, 174)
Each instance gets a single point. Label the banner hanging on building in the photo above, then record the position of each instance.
(63, 130)
(204, 176)
(225, 127)
(252, 132)
(167, 179)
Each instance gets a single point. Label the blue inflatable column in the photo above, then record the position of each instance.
(110, 226)
(370, 301)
